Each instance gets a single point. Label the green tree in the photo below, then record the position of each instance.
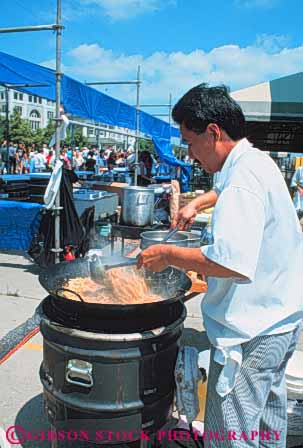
(79, 140)
(49, 131)
(2, 129)
(147, 145)
(20, 130)
(38, 137)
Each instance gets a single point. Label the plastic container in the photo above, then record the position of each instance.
(88, 194)
(105, 203)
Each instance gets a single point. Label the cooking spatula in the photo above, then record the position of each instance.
(99, 265)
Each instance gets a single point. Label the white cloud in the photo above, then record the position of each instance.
(272, 43)
(125, 9)
(176, 72)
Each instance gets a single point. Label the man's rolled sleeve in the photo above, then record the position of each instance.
(238, 226)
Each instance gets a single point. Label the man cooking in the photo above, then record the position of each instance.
(253, 308)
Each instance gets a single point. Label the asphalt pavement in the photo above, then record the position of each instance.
(21, 400)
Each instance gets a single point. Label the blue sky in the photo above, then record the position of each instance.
(178, 43)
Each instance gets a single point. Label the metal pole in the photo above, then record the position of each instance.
(169, 111)
(137, 126)
(57, 249)
(7, 128)
(72, 135)
(98, 139)
(101, 83)
(21, 29)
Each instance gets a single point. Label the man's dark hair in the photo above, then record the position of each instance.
(202, 105)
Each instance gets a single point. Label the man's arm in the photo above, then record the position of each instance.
(160, 256)
(187, 214)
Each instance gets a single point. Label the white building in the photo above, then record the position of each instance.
(38, 111)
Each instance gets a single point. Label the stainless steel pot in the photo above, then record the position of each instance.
(138, 206)
(156, 236)
(193, 239)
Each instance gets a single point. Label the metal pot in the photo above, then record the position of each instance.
(156, 236)
(138, 206)
(193, 239)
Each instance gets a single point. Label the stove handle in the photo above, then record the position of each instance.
(79, 373)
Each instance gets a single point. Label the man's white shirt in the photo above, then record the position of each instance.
(257, 234)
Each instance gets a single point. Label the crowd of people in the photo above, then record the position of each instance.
(21, 159)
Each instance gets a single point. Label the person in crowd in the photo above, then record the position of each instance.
(50, 160)
(63, 157)
(20, 157)
(297, 185)
(145, 166)
(90, 161)
(3, 157)
(45, 150)
(26, 163)
(253, 309)
(78, 161)
(120, 161)
(39, 161)
(69, 154)
(12, 158)
(85, 152)
(111, 161)
(131, 158)
(100, 162)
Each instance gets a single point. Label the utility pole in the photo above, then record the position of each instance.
(58, 29)
(137, 127)
(138, 83)
(57, 209)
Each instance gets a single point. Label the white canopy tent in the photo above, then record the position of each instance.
(279, 99)
(274, 113)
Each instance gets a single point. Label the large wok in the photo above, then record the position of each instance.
(54, 278)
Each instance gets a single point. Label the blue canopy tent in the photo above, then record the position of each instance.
(79, 99)
(86, 102)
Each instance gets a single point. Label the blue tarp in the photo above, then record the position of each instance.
(164, 150)
(18, 223)
(80, 100)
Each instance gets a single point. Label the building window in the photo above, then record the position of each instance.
(2, 95)
(30, 98)
(35, 99)
(21, 96)
(3, 108)
(15, 95)
(18, 109)
(91, 131)
(40, 100)
(50, 115)
(34, 118)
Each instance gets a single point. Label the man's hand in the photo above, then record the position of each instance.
(154, 258)
(185, 217)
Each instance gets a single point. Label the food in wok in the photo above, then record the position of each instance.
(121, 286)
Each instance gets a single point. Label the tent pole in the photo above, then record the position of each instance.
(137, 126)
(7, 128)
(57, 209)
